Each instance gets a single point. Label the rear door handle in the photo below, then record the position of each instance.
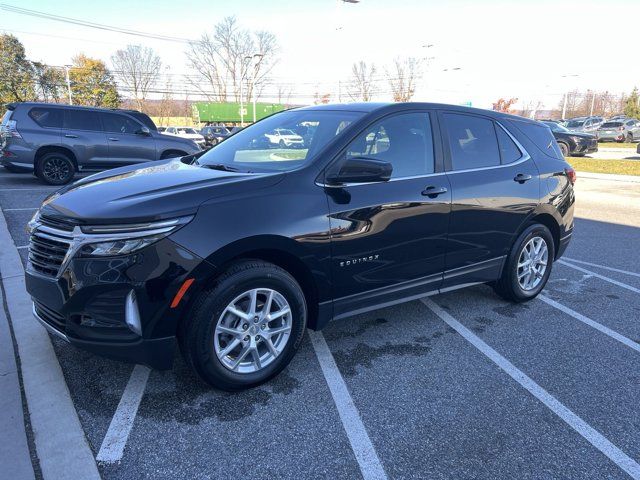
(521, 178)
(113, 139)
(69, 135)
(433, 192)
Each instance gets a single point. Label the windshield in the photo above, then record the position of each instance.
(575, 123)
(556, 127)
(188, 131)
(255, 148)
(611, 125)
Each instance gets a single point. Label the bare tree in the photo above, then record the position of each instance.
(362, 85)
(220, 61)
(402, 78)
(284, 94)
(138, 69)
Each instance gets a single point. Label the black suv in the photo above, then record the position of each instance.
(55, 141)
(576, 144)
(232, 254)
(213, 134)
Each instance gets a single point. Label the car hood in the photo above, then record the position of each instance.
(147, 192)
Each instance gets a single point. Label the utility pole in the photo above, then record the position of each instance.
(259, 57)
(593, 101)
(564, 106)
(66, 71)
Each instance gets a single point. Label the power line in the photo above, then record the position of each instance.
(84, 23)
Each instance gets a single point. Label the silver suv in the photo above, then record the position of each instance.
(56, 141)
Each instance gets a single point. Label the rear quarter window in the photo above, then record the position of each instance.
(542, 137)
(47, 117)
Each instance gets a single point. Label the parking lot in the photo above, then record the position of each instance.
(459, 385)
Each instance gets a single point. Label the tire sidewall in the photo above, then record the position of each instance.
(50, 156)
(564, 148)
(537, 230)
(208, 364)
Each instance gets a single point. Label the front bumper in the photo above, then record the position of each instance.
(586, 146)
(86, 303)
(610, 137)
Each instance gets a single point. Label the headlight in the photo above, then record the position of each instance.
(578, 139)
(111, 240)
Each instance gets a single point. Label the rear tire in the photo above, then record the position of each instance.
(629, 138)
(203, 335)
(523, 277)
(55, 169)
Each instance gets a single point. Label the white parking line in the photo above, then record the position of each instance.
(601, 277)
(366, 455)
(586, 320)
(18, 209)
(115, 440)
(626, 272)
(590, 434)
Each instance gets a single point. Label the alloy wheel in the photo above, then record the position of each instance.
(56, 169)
(253, 330)
(532, 263)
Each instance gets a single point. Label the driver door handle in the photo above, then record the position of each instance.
(433, 192)
(113, 139)
(521, 178)
(69, 135)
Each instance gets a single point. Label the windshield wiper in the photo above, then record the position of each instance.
(220, 166)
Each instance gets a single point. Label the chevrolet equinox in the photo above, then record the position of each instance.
(231, 254)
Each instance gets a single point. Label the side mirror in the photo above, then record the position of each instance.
(144, 131)
(361, 170)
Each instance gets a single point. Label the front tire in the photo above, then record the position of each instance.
(247, 328)
(564, 148)
(55, 169)
(528, 265)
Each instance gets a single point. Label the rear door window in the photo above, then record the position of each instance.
(47, 117)
(115, 123)
(81, 120)
(472, 141)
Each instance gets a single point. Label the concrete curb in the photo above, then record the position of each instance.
(608, 176)
(15, 456)
(60, 442)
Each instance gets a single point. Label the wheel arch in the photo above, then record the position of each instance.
(549, 221)
(285, 253)
(42, 151)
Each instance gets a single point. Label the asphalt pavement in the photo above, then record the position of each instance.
(559, 399)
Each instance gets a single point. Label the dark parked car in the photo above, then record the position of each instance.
(56, 141)
(213, 135)
(572, 143)
(234, 254)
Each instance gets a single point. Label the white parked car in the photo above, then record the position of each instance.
(186, 132)
(284, 138)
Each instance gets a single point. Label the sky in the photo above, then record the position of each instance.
(474, 51)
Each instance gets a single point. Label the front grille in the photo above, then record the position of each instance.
(50, 316)
(47, 249)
